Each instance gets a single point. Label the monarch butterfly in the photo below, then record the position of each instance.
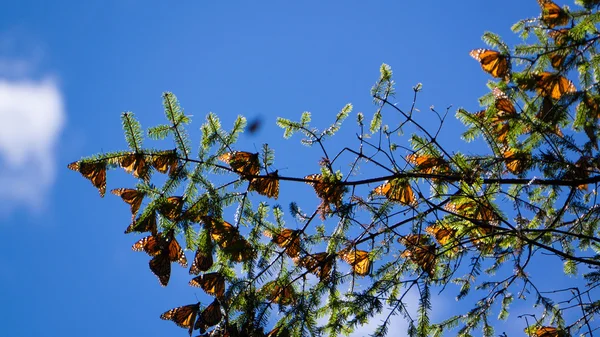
(165, 249)
(492, 62)
(210, 316)
(135, 163)
(499, 127)
(288, 239)
(396, 190)
(552, 14)
(330, 192)
(548, 331)
(222, 232)
(95, 172)
(202, 262)
(516, 162)
(319, 264)
(160, 265)
(171, 208)
(267, 186)
(443, 234)
(243, 163)
(427, 164)
(131, 196)
(211, 283)
(276, 293)
(473, 210)
(143, 224)
(553, 85)
(166, 161)
(230, 241)
(419, 251)
(184, 316)
(358, 259)
(503, 104)
(239, 249)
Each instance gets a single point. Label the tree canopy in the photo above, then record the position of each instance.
(399, 211)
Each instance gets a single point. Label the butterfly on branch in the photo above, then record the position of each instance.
(516, 161)
(164, 249)
(210, 316)
(202, 262)
(358, 259)
(319, 264)
(135, 163)
(230, 241)
(143, 224)
(553, 85)
(419, 251)
(549, 331)
(131, 196)
(442, 233)
(503, 104)
(267, 186)
(94, 171)
(329, 190)
(397, 190)
(552, 14)
(428, 164)
(242, 163)
(211, 283)
(492, 62)
(287, 239)
(280, 294)
(184, 316)
(171, 208)
(166, 161)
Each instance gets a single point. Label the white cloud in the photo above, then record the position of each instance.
(31, 119)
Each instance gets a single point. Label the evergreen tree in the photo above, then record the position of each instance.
(398, 220)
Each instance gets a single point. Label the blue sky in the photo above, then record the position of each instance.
(69, 68)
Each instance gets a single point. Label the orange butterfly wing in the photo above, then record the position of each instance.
(95, 172)
(358, 259)
(211, 283)
(552, 14)
(243, 163)
(419, 251)
(161, 267)
(131, 196)
(554, 85)
(492, 62)
(319, 264)
(202, 262)
(172, 208)
(184, 316)
(135, 163)
(166, 161)
(276, 293)
(396, 190)
(143, 224)
(288, 239)
(210, 316)
(267, 186)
